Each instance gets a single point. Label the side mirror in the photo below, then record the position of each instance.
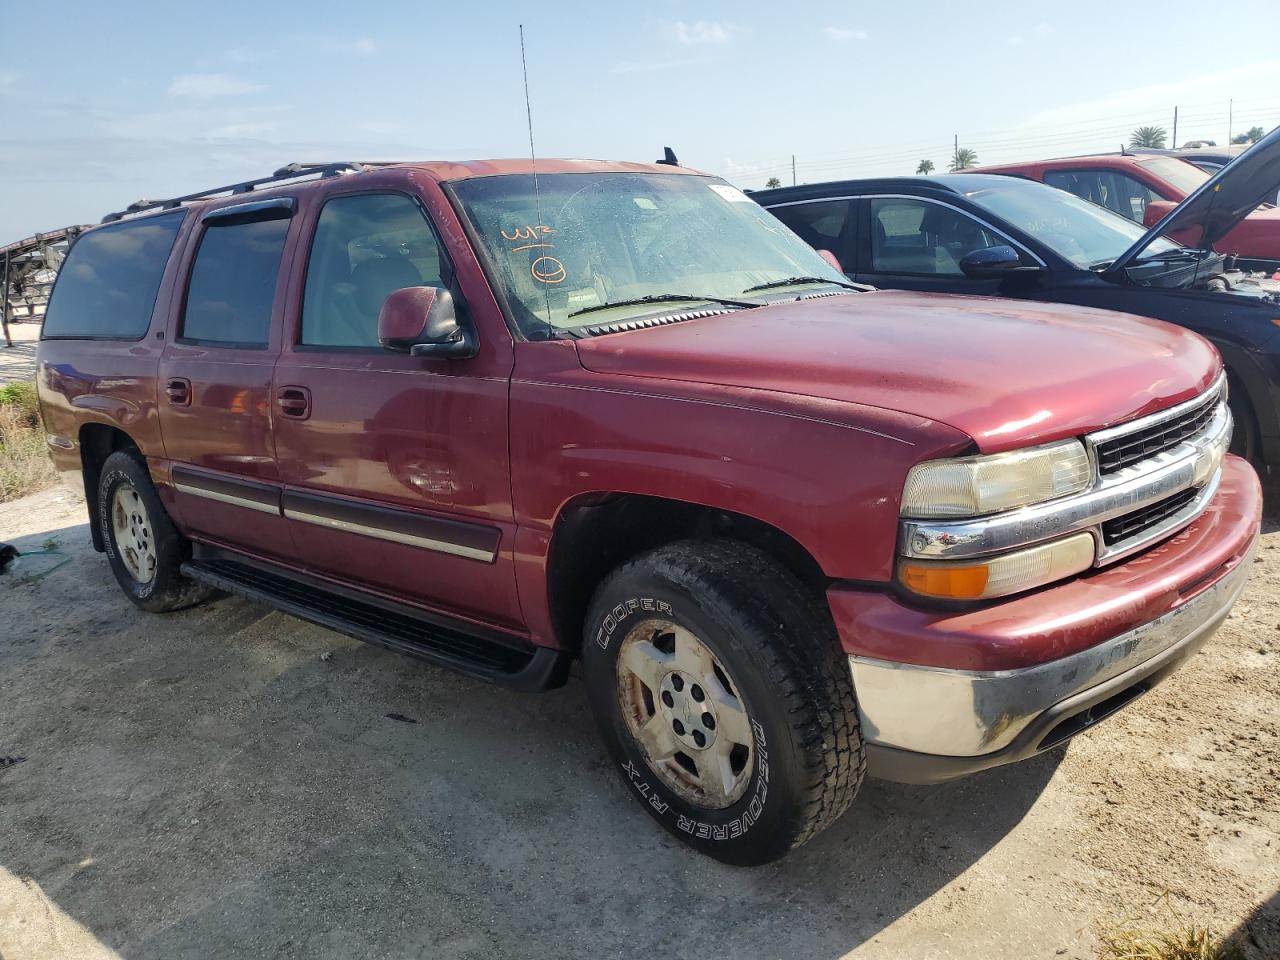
(1156, 210)
(831, 258)
(422, 322)
(992, 263)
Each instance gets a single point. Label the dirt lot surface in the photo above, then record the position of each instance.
(19, 361)
(226, 782)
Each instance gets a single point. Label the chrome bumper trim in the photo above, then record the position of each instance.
(1191, 463)
(962, 713)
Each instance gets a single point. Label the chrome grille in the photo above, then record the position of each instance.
(1132, 524)
(1122, 451)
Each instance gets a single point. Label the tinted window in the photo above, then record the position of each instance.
(233, 283)
(821, 224)
(365, 247)
(1118, 192)
(914, 236)
(109, 281)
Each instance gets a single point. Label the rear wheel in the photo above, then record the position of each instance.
(720, 689)
(144, 548)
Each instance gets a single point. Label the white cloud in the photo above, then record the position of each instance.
(844, 34)
(1015, 41)
(366, 47)
(704, 32)
(1043, 29)
(8, 79)
(203, 86)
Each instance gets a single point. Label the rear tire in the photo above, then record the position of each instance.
(142, 545)
(695, 647)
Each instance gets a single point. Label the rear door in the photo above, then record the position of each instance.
(396, 468)
(825, 225)
(215, 402)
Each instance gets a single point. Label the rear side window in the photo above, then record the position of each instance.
(108, 285)
(233, 283)
(822, 225)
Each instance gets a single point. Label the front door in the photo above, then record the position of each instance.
(917, 244)
(395, 467)
(215, 380)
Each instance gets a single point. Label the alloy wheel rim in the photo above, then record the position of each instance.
(133, 535)
(684, 712)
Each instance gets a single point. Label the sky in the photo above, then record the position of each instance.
(104, 103)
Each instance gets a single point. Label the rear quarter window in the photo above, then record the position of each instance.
(107, 287)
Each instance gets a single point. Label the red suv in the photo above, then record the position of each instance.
(616, 412)
(1145, 188)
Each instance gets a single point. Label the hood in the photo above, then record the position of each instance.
(1008, 374)
(1222, 201)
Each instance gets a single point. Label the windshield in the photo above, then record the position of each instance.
(1187, 177)
(1084, 233)
(584, 240)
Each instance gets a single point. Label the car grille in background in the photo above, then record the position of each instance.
(1121, 528)
(1133, 447)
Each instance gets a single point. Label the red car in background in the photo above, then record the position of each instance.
(1145, 188)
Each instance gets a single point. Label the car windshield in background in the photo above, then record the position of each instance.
(582, 241)
(1187, 177)
(1084, 233)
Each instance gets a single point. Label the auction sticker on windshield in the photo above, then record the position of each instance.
(732, 194)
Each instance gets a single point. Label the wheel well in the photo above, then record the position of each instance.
(97, 442)
(596, 534)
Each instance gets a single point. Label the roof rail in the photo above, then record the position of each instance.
(292, 171)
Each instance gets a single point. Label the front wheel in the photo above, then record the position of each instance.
(718, 684)
(144, 548)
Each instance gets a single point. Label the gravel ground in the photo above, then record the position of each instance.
(227, 782)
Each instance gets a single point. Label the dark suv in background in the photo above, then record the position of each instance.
(1005, 236)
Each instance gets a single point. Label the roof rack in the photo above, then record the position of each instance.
(292, 171)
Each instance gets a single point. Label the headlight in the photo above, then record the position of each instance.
(999, 576)
(975, 486)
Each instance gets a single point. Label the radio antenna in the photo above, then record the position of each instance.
(537, 196)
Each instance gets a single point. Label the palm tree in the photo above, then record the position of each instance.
(772, 182)
(1155, 137)
(963, 159)
(925, 168)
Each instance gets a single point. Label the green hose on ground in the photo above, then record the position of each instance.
(9, 558)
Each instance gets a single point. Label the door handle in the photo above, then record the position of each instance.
(294, 402)
(178, 390)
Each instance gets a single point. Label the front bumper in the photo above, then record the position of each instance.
(1012, 679)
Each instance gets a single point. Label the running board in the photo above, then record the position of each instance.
(398, 629)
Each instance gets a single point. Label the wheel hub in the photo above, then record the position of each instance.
(685, 706)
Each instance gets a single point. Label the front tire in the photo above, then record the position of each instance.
(142, 545)
(719, 686)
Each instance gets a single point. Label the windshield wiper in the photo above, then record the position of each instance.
(663, 298)
(794, 281)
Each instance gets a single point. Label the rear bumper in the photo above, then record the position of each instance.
(1004, 689)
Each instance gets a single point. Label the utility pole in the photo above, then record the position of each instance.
(1174, 143)
(793, 169)
(955, 149)
(1231, 105)
(4, 302)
